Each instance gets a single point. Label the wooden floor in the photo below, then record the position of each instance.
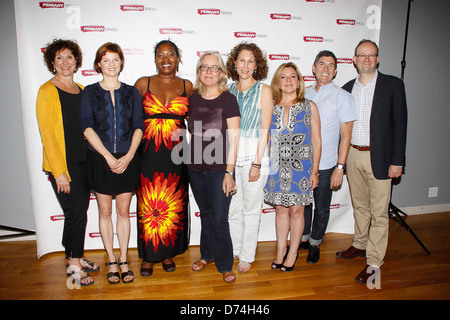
(408, 272)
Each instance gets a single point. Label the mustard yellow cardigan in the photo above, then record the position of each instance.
(49, 116)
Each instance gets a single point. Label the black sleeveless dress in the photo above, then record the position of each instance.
(162, 196)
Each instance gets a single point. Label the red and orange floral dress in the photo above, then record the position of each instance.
(162, 196)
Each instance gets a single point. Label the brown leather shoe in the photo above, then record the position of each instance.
(168, 265)
(350, 253)
(146, 269)
(368, 272)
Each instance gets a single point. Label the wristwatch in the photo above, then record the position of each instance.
(229, 172)
(340, 166)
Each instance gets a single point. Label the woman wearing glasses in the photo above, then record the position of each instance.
(214, 126)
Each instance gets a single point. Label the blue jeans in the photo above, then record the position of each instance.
(215, 239)
(322, 201)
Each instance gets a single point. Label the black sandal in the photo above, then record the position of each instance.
(112, 274)
(128, 273)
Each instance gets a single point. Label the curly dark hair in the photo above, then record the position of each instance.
(52, 48)
(262, 69)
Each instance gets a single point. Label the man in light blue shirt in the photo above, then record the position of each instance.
(337, 114)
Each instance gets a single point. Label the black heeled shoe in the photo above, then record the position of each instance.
(276, 266)
(288, 269)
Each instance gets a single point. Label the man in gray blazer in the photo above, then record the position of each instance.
(377, 154)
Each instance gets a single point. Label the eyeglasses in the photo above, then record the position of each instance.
(364, 56)
(212, 68)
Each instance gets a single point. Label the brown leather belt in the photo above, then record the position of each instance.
(361, 148)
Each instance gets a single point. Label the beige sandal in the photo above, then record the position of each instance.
(244, 266)
(199, 265)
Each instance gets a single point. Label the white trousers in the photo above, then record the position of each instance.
(245, 213)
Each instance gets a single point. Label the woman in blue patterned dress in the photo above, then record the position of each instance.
(295, 150)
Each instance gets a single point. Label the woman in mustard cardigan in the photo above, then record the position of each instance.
(65, 151)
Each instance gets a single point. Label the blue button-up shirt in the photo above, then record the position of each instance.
(335, 106)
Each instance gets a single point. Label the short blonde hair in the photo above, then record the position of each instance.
(198, 86)
(275, 84)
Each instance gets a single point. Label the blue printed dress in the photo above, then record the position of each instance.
(291, 157)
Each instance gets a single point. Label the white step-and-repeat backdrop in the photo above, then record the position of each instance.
(286, 30)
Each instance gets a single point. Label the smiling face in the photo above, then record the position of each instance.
(64, 63)
(207, 76)
(367, 58)
(110, 64)
(289, 82)
(166, 59)
(245, 64)
(324, 70)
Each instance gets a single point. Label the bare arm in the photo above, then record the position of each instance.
(316, 142)
(233, 138)
(123, 162)
(97, 144)
(266, 117)
(344, 146)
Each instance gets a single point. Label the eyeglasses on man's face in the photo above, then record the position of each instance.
(364, 56)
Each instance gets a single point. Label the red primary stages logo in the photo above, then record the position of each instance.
(170, 31)
(309, 78)
(132, 7)
(215, 12)
(348, 22)
(345, 60)
(51, 5)
(95, 235)
(282, 16)
(316, 39)
(92, 28)
(245, 34)
(57, 217)
(268, 210)
(88, 73)
(278, 56)
(312, 39)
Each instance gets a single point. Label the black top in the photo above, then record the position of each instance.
(76, 145)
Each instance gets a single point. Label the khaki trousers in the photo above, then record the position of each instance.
(370, 200)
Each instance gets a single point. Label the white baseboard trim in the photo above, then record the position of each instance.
(435, 208)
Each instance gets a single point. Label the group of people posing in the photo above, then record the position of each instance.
(236, 146)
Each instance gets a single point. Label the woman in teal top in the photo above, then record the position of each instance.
(248, 67)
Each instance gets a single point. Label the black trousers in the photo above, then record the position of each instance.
(75, 206)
